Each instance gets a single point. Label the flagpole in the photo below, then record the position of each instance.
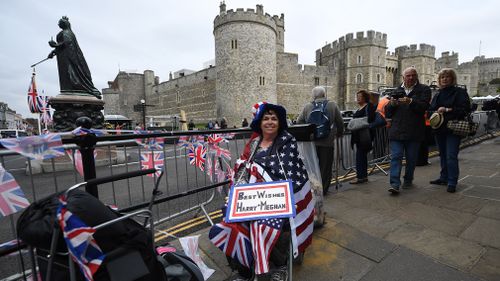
(39, 125)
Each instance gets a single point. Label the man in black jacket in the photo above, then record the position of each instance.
(407, 128)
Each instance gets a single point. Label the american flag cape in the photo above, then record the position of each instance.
(283, 163)
(36, 147)
(153, 159)
(80, 241)
(34, 103)
(12, 198)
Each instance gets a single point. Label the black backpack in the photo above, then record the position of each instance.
(319, 117)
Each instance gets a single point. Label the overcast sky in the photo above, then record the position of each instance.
(166, 35)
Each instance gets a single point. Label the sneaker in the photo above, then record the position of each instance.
(358, 181)
(407, 185)
(280, 274)
(451, 188)
(394, 190)
(438, 182)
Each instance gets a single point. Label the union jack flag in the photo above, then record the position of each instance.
(12, 198)
(283, 164)
(80, 241)
(45, 109)
(234, 240)
(36, 147)
(77, 160)
(150, 143)
(221, 152)
(215, 139)
(80, 131)
(153, 159)
(34, 103)
(197, 156)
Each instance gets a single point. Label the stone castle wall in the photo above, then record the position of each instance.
(129, 87)
(295, 82)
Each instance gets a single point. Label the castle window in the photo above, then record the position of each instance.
(334, 62)
(262, 80)
(378, 77)
(360, 59)
(359, 78)
(234, 44)
(316, 81)
(178, 97)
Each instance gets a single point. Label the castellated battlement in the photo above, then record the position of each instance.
(371, 38)
(249, 15)
(412, 51)
(390, 54)
(489, 60)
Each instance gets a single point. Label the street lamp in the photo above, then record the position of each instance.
(143, 105)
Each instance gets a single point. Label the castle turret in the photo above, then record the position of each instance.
(422, 58)
(245, 55)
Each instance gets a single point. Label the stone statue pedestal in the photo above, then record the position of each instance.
(69, 107)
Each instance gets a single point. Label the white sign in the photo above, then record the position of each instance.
(263, 200)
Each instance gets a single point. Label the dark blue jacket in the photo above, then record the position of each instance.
(452, 97)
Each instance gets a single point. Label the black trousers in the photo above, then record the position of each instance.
(325, 158)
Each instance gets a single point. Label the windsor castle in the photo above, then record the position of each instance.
(251, 65)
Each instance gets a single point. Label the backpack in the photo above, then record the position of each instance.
(319, 117)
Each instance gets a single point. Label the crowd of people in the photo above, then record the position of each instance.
(408, 114)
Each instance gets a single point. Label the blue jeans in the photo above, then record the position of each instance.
(448, 145)
(410, 150)
(361, 163)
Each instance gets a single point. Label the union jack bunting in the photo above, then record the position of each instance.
(80, 241)
(197, 156)
(221, 152)
(152, 159)
(12, 198)
(80, 131)
(46, 118)
(150, 143)
(36, 147)
(34, 103)
(234, 240)
(215, 139)
(77, 159)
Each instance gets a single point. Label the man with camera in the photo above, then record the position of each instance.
(406, 108)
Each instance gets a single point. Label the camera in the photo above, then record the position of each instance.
(397, 94)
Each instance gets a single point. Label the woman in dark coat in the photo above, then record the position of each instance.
(453, 102)
(362, 138)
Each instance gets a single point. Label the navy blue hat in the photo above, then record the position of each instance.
(280, 112)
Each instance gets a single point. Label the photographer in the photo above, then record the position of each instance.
(406, 108)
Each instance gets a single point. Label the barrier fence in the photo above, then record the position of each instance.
(184, 191)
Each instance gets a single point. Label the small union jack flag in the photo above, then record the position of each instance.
(78, 159)
(34, 103)
(12, 198)
(221, 152)
(152, 159)
(80, 241)
(234, 240)
(197, 156)
(36, 147)
(215, 139)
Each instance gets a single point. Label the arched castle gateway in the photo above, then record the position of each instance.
(251, 65)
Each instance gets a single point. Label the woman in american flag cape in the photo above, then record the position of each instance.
(261, 247)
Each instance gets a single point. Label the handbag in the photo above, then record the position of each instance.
(463, 128)
(378, 122)
(358, 124)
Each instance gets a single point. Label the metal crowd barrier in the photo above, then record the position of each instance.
(186, 192)
(381, 154)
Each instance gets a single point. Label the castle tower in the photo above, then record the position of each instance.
(421, 58)
(280, 36)
(245, 56)
(360, 63)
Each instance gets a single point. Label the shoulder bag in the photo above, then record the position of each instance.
(463, 128)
